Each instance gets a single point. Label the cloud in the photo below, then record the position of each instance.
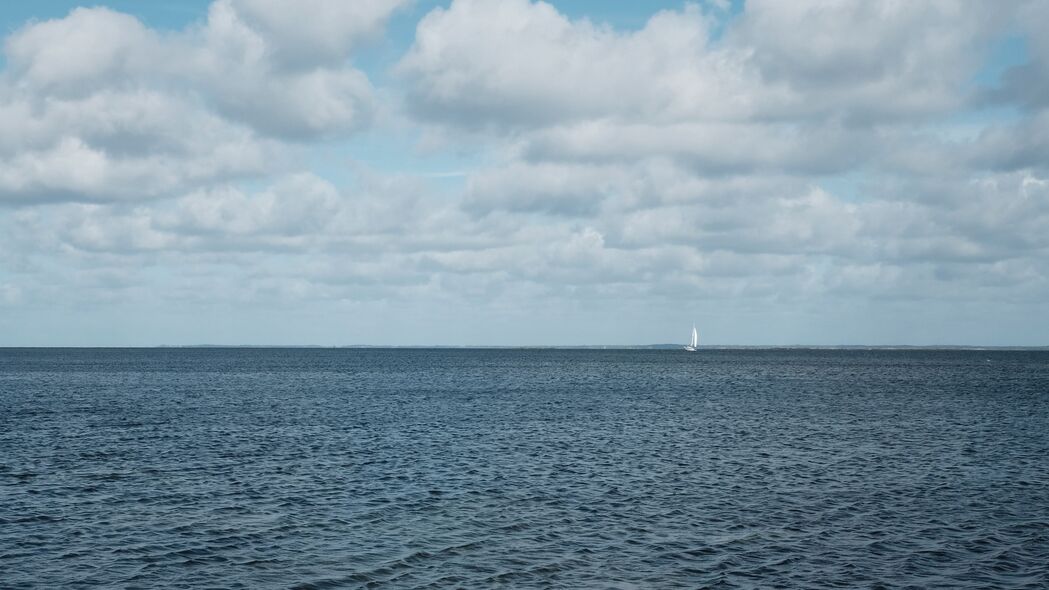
(99, 107)
(300, 205)
(257, 66)
(1026, 84)
(1014, 146)
(515, 64)
(129, 145)
(742, 242)
(81, 53)
(330, 31)
(548, 187)
(809, 89)
(10, 294)
(709, 147)
(803, 157)
(867, 61)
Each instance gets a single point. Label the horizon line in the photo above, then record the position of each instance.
(665, 346)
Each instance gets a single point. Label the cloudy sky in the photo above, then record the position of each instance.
(516, 172)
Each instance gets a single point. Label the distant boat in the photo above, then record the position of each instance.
(692, 344)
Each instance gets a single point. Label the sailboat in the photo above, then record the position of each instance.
(692, 344)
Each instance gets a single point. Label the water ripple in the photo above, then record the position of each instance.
(448, 468)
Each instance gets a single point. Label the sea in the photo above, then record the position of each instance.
(523, 468)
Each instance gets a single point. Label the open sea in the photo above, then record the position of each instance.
(446, 468)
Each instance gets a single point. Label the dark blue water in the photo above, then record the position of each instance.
(264, 468)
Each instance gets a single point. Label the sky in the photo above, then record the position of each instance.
(511, 172)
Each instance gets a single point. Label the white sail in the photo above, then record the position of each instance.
(694, 341)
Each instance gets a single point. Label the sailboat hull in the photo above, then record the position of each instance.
(690, 349)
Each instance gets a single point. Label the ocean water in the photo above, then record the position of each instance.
(316, 468)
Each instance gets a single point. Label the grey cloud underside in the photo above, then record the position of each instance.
(807, 157)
